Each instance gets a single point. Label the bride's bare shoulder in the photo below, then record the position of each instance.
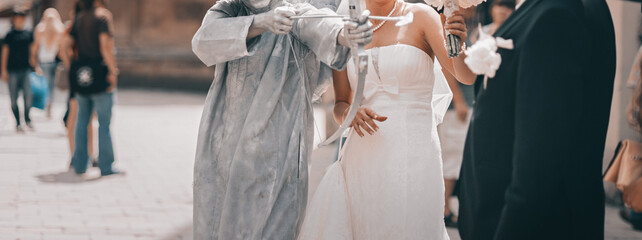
(423, 14)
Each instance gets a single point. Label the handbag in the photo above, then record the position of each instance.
(625, 171)
(88, 76)
(39, 90)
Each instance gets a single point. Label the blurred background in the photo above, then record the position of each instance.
(162, 87)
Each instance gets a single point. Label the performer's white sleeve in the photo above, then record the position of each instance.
(222, 36)
(320, 36)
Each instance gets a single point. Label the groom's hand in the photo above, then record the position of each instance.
(359, 32)
(364, 121)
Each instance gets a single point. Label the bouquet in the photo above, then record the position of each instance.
(453, 43)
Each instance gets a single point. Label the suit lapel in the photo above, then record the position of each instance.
(515, 17)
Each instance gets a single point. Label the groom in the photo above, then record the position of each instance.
(533, 159)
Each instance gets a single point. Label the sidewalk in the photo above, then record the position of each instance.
(155, 137)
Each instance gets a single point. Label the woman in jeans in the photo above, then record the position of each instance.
(92, 34)
(47, 39)
(72, 106)
(16, 67)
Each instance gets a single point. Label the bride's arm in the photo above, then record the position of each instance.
(364, 120)
(434, 36)
(342, 94)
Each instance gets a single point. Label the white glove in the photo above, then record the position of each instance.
(357, 32)
(278, 20)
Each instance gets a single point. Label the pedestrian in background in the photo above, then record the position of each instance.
(634, 116)
(452, 135)
(93, 76)
(69, 54)
(48, 36)
(500, 10)
(16, 67)
(452, 132)
(633, 113)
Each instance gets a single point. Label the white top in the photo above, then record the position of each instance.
(47, 54)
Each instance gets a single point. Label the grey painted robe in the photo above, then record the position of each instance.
(250, 176)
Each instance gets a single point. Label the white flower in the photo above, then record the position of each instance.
(482, 58)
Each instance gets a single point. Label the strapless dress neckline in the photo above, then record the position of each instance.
(403, 45)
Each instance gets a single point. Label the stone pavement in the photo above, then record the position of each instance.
(155, 137)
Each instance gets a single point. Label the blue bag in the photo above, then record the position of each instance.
(39, 90)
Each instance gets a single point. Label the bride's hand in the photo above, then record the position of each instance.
(365, 121)
(456, 24)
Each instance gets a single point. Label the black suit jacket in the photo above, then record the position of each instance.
(533, 157)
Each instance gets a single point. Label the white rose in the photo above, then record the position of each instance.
(482, 58)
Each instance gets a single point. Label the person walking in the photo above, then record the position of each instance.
(634, 117)
(72, 106)
(16, 67)
(48, 36)
(93, 76)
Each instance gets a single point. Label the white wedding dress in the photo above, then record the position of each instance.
(388, 185)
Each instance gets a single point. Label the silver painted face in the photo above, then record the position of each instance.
(257, 5)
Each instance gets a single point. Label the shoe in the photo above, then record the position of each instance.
(625, 215)
(111, 172)
(30, 126)
(449, 220)
(20, 129)
(635, 221)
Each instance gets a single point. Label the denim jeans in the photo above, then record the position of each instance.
(19, 81)
(102, 103)
(49, 72)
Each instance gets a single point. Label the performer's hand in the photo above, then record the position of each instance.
(364, 121)
(456, 25)
(5, 76)
(354, 33)
(278, 20)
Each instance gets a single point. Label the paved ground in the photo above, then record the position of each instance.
(154, 135)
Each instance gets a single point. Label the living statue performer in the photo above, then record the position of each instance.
(256, 132)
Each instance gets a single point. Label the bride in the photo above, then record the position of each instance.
(388, 184)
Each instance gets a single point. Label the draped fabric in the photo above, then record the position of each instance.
(441, 94)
